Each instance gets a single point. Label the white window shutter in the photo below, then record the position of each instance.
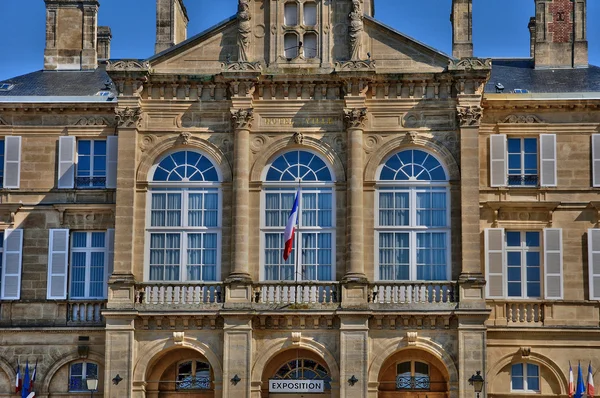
(12, 260)
(58, 260)
(594, 263)
(12, 162)
(596, 160)
(66, 162)
(111, 161)
(553, 263)
(498, 154)
(548, 160)
(110, 252)
(494, 263)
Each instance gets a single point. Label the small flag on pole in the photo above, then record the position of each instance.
(26, 380)
(288, 236)
(18, 380)
(33, 376)
(580, 389)
(590, 382)
(571, 381)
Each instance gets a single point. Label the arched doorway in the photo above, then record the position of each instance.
(296, 373)
(413, 373)
(181, 373)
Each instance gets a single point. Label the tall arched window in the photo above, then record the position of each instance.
(306, 173)
(304, 369)
(412, 218)
(184, 219)
(193, 375)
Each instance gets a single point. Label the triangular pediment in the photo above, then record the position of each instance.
(395, 52)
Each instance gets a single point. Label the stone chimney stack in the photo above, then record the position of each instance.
(531, 27)
(171, 24)
(71, 30)
(104, 38)
(560, 34)
(462, 28)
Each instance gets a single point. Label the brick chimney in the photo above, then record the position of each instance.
(71, 30)
(171, 24)
(104, 38)
(462, 28)
(560, 34)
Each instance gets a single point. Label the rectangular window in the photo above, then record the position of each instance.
(522, 161)
(91, 164)
(1, 257)
(78, 373)
(88, 265)
(523, 261)
(2, 163)
(525, 377)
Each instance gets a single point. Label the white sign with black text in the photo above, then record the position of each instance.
(296, 386)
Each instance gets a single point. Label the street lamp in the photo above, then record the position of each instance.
(92, 385)
(477, 382)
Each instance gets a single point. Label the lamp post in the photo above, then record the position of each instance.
(477, 382)
(92, 385)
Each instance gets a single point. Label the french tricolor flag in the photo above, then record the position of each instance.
(571, 381)
(18, 381)
(590, 382)
(290, 228)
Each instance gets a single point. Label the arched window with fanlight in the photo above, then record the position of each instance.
(305, 173)
(412, 218)
(184, 219)
(193, 375)
(303, 369)
(412, 375)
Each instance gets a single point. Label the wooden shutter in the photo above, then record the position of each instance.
(553, 263)
(596, 160)
(110, 254)
(498, 171)
(12, 162)
(66, 162)
(111, 161)
(58, 260)
(594, 263)
(548, 160)
(494, 263)
(12, 260)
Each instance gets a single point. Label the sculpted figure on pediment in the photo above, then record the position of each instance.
(244, 30)
(355, 30)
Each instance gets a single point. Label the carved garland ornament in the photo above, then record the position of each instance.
(522, 119)
(355, 117)
(242, 118)
(469, 115)
(128, 117)
(470, 64)
(92, 121)
(128, 65)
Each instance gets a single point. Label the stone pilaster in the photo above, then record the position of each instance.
(119, 356)
(471, 351)
(237, 355)
(354, 355)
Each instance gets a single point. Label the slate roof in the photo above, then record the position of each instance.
(59, 84)
(521, 74)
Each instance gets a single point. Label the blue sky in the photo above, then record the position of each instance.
(499, 27)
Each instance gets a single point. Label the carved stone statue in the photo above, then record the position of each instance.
(355, 30)
(244, 30)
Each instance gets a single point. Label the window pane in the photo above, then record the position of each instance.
(290, 14)
(310, 45)
(310, 14)
(290, 44)
(517, 381)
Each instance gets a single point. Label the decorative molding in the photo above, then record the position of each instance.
(242, 118)
(242, 66)
(519, 214)
(469, 115)
(411, 337)
(355, 117)
(128, 117)
(525, 352)
(411, 137)
(3, 122)
(92, 121)
(147, 141)
(473, 63)
(412, 322)
(257, 142)
(128, 66)
(178, 338)
(357, 65)
(522, 119)
(8, 211)
(296, 337)
(298, 138)
(185, 138)
(86, 216)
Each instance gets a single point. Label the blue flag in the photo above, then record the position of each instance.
(580, 389)
(25, 390)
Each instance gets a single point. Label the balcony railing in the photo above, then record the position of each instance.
(281, 292)
(387, 292)
(412, 382)
(524, 313)
(85, 312)
(180, 293)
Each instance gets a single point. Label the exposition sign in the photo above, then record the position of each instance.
(296, 386)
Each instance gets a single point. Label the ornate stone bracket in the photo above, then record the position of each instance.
(355, 117)
(596, 206)
(529, 119)
(466, 64)
(128, 117)
(128, 66)
(469, 115)
(8, 211)
(242, 118)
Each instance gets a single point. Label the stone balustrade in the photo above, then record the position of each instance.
(85, 312)
(178, 293)
(524, 313)
(394, 292)
(281, 292)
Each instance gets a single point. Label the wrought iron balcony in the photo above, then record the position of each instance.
(90, 182)
(412, 382)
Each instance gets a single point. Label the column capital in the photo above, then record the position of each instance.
(128, 117)
(469, 116)
(355, 117)
(242, 118)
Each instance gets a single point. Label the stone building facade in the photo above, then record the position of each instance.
(447, 208)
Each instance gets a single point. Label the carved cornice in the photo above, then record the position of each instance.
(529, 119)
(355, 117)
(469, 115)
(241, 66)
(358, 65)
(242, 118)
(467, 64)
(128, 66)
(92, 121)
(128, 117)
